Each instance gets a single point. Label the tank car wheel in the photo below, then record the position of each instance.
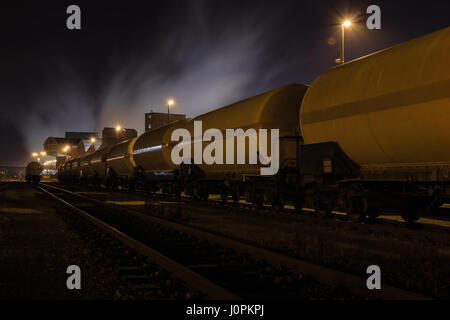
(411, 214)
(224, 196)
(235, 194)
(195, 193)
(248, 196)
(204, 195)
(278, 202)
(298, 205)
(356, 205)
(258, 200)
(373, 212)
(235, 197)
(176, 193)
(299, 201)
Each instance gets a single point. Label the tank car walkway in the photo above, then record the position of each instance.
(36, 247)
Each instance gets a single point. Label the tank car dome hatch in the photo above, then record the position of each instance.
(384, 108)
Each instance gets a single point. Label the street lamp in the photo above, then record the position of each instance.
(118, 129)
(346, 23)
(169, 104)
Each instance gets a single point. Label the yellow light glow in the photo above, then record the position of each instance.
(43, 153)
(118, 128)
(347, 23)
(170, 102)
(34, 155)
(93, 140)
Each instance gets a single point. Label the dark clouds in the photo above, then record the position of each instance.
(130, 56)
(13, 143)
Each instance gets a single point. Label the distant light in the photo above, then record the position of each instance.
(347, 23)
(170, 102)
(93, 140)
(118, 128)
(43, 153)
(34, 155)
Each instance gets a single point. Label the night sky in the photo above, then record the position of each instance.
(130, 56)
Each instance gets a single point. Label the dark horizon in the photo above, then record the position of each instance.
(130, 57)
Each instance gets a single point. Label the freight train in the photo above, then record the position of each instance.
(369, 135)
(33, 172)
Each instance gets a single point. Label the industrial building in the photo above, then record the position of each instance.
(155, 120)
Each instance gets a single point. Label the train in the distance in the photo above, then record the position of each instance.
(33, 172)
(369, 135)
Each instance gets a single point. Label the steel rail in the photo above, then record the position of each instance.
(192, 279)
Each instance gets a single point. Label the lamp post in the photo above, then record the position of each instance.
(66, 150)
(169, 104)
(118, 129)
(346, 23)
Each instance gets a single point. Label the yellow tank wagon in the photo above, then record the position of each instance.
(390, 113)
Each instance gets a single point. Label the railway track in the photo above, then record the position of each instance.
(244, 270)
(133, 269)
(434, 223)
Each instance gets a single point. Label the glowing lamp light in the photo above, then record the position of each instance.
(118, 128)
(170, 102)
(43, 153)
(347, 23)
(93, 140)
(34, 155)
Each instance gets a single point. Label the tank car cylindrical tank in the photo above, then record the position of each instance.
(152, 150)
(276, 109)
(33, 172)
(86, 170)
(98, 162)
(120, 159)
(389, 110)
(76, 168)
